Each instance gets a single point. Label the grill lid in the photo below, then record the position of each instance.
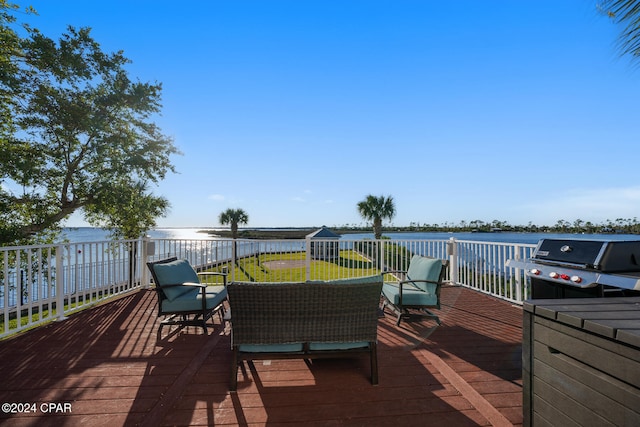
(603, 256)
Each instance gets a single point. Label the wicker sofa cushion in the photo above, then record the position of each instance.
(271, 348)
(355, 280)
(174, 273)
(298, 347)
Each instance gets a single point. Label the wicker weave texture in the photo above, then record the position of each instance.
(268, 313)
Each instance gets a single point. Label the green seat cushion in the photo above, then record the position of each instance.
(410, 295)
(298, 347)
(192, 299)
(337, 345)
(421, 268)
(173, 273)
(270, 348)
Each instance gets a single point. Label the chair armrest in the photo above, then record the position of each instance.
(192, 284)
(402, 282)
(420, 281)
(195, 285)
(215, 273)
(393, 271)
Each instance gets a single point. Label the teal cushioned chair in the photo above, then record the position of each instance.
(417, 290)
(182, 299)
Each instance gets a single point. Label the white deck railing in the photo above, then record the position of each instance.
(39, 284)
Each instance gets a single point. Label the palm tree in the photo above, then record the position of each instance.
(233, 217)
(376, 209)
(626, 13)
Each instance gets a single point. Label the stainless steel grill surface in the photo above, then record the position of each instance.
(583, 268)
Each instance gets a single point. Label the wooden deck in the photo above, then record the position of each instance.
(105, 366)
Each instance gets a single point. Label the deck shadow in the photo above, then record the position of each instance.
(338, 391)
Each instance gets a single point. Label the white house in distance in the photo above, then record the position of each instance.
(324, 244)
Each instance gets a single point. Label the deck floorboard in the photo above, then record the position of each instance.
(109, 365)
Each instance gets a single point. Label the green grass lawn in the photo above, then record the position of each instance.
(258, 268)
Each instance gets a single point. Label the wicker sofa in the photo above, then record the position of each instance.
(304, 320)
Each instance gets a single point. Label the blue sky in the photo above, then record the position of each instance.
(294, 111)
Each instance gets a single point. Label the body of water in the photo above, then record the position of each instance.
(90, 234)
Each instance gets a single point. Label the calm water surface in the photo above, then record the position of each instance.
(90, 234)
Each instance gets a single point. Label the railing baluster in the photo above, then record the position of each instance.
(76, 275)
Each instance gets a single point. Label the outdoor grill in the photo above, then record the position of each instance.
(581, 354)
(584, 268)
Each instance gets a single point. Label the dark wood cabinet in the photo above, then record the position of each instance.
(581, 362)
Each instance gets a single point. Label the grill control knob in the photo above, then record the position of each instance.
(576, 279)
(554, 275)
(535, 271)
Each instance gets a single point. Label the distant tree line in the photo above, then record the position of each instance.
(578, 226)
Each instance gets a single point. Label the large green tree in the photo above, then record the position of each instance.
(376, 209)
(625, 13)
(80, 136)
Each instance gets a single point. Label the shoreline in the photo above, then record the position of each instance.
(275, 234)
(301, 233)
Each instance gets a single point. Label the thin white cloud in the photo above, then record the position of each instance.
(216, 197)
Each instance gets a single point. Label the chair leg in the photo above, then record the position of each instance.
(374, 363)
(403, 314)
(159, 335)
(234, 370)
(432, 315)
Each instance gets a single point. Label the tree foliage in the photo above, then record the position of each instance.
(376, 209)
(625, 13)
(78, 135)
(127, 212)
(9, 70)
(233, 217)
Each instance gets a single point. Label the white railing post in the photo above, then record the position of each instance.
(234, 246)
(307, 258)
(518, 272)
(148, 249)
(60, 281)
(382, 255)
(452, 251)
